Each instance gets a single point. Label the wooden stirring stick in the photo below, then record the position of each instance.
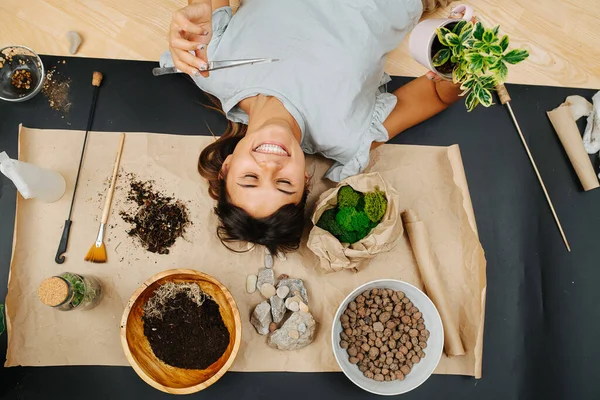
(505, 99)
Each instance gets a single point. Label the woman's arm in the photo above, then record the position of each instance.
(419, 100)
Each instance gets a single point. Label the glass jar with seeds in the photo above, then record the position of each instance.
(70, 291)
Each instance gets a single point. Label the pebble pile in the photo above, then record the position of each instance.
(284, 315)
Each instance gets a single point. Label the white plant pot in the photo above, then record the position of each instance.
(422, 37)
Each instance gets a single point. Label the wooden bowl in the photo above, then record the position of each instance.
(139, 353)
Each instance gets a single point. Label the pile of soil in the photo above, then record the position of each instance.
(188, 335)
(159, 220)
(56, 89)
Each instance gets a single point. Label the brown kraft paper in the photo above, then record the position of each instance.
(434, 287)
(429, 180)
(335, 256)
(564, 124)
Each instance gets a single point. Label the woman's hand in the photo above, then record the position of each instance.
(191, 30)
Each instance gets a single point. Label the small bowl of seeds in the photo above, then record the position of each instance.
(21, 73)
(387, 337)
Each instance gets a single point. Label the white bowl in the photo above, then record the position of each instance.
(421, 371)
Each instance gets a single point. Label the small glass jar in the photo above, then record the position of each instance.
(69, 291)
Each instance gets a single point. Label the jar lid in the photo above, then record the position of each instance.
(53, 291)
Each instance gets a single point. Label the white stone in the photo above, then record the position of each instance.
(265, 275)
(293, 303)
(251, 283)
(268, 290)
(74, 41)
(293, 306)
(295, 285)
(294, 334)
(303, 307)
(261, 318)
(283, 291)
(281, 338)
(302, 327)
(268, 261)
(277, 308)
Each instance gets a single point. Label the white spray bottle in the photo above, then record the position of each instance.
(33, 181)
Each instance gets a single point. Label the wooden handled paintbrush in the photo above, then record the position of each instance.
(97, 253)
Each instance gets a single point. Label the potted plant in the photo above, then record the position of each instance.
(466, 53)
(477, 58)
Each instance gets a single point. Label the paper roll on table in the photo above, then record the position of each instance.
(434, 286)
(563, 119)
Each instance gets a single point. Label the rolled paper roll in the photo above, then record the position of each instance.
(564, 124)
(434, 286)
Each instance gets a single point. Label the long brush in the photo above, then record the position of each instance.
(64, 239)
(505, 99)
(97, 253)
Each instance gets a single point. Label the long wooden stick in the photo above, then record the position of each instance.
(505, 99)
(111, 189)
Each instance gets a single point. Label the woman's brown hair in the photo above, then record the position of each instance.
(278, 232)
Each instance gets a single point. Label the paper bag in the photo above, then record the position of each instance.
(336, 256)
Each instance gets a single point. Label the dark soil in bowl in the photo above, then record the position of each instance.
(188, 335)
(446, 68)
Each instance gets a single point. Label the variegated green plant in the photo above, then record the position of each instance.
(479, 58)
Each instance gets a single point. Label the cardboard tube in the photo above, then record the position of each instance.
(564, 124)
(434, 286)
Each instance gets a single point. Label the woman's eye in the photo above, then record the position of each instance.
(250, 176)
(284, 181)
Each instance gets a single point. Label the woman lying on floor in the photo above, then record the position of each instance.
(325, 96)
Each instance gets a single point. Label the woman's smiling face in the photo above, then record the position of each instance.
(266, 171)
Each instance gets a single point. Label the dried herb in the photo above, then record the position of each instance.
(56, 89)
(159, 219)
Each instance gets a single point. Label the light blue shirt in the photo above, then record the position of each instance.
(330, 74)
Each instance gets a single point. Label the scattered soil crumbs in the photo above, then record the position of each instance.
(21, 79)
(184, 330)
(56, 89)
(159, 219)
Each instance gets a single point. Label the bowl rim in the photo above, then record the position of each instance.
(42, 74)
(141, 373)
(353, 293)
